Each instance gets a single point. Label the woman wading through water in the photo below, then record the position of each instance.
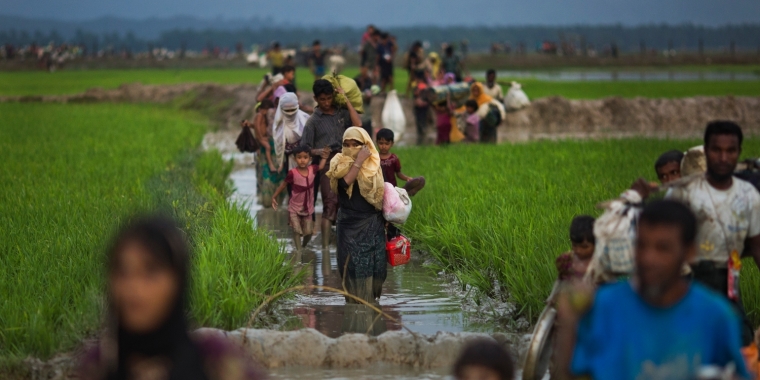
(146, 335)
(355, 175)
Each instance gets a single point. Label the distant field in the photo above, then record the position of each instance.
(67, 82)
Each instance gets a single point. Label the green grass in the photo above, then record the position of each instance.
(71, 175)
(502, 213)
(69, 82)
(595, 90)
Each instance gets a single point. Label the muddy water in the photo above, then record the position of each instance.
(412, 295)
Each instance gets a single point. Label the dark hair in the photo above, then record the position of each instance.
(671, 213)
(316, 42)
(490, 71)
(723, 127)
(442, 103)
(449, 50)
(276, 45)
(323, 86)
(301, 149)
(471, 104)
(582, 229)
(418, 74)
(385, 134)
(161, 237)
(668, 157)
(376, 33)
(266, 104)
(485, 353)
(384, 35)
(290, 87)
(287, 69)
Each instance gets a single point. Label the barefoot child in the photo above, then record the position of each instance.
(572, 265)
(301, 205)
(391, 165)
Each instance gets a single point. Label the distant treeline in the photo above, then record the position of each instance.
(627, 39)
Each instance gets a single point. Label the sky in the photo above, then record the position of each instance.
(405, 12)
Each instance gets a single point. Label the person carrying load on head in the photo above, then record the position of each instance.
(325, 128)
(490, 112)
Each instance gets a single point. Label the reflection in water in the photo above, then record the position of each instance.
(411, 294)
(362, 319)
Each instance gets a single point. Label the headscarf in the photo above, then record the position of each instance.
(166, 243)
(483, 98)
(370, 177)
(449, 78)
(287, 127)
(435, 63)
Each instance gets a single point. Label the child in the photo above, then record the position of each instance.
(572, 265)
(484, 359)
(443, 111)
(301, 205)
(668, 166)
(472, 130)
(391, 165)
(492, 88)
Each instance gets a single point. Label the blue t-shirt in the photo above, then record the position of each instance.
(623, 337)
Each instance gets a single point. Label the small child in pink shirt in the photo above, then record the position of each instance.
(301, 204)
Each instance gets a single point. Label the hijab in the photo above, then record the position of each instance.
(288, 126)
(166, 243)
(370, 177)
(449, 78)
(483, 98)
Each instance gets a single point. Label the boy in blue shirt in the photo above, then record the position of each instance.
(659, 325)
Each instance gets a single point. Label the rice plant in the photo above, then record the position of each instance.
(498, 216)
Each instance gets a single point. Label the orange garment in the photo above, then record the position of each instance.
(483, 98)
(751, 358)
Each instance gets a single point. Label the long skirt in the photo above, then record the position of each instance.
(362, 260)
(268, 181)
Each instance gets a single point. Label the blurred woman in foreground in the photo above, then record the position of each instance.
(146, 336)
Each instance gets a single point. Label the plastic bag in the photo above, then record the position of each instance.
(516, 98)
(393, 115)
(615, 232)
(246, 142)
(694, 161)
(396, 204)
(348, 85)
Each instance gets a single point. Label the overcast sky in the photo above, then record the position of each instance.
(406, 12)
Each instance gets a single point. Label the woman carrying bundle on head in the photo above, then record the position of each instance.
(355, 175)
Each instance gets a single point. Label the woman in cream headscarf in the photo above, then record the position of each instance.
(289, 121)
(356, 177)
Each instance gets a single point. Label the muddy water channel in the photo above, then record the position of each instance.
(412, 294)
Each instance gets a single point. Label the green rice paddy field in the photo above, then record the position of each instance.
(68, 82)
(502, 213)
(71, 175)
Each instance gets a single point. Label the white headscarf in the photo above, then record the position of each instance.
(288, 127)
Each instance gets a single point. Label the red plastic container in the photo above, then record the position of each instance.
(399, 250)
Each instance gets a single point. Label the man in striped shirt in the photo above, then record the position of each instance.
(325, 128)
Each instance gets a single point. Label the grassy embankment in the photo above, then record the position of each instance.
(71, 175)
(69, 82)
(503, 212)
